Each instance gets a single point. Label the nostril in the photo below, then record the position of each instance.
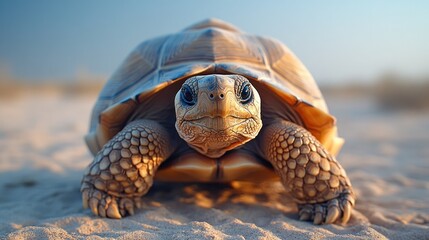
(221, 96)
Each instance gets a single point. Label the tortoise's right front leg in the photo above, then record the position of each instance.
(123, 170)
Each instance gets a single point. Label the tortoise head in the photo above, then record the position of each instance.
(217, 113)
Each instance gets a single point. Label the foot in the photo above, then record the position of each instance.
(309, 173)
(105, 205)
(124, 169)
(339, 208)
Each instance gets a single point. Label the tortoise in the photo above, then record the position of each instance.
(214, 104)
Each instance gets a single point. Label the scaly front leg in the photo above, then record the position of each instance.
(314, 178)
(123, 170)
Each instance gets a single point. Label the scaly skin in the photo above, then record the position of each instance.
(214, 119)
(309, 173)
(123, 170)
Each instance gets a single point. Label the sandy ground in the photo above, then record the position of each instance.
(43, 155)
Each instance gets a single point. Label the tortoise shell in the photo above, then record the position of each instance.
(208, 47)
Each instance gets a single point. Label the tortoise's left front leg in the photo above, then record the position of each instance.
(314, 178)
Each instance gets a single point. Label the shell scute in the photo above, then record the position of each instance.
(210, 47)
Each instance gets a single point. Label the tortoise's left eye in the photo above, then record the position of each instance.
(187, 95)
(246, 94)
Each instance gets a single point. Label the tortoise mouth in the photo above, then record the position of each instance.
(217, 123)
(213, 136)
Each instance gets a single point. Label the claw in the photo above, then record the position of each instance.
(85, 198)
(333, 213)
(129, 207)
(318, 217)
(122, 212)
(126, 204)
(93, 204)
(305, 212)
(101, 210)
(346, 212)
(113, 211)
(305, 216)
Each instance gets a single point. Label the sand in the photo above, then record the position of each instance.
(43, 155)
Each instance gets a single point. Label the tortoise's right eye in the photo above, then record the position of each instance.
(187, 95)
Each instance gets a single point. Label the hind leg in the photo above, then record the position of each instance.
(123, 170)
(314, 178)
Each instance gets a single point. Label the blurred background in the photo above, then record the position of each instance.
(377, 46)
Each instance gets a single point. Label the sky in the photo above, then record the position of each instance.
(339, 41)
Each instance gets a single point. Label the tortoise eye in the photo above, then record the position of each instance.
(187, 95)
(246, 94)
